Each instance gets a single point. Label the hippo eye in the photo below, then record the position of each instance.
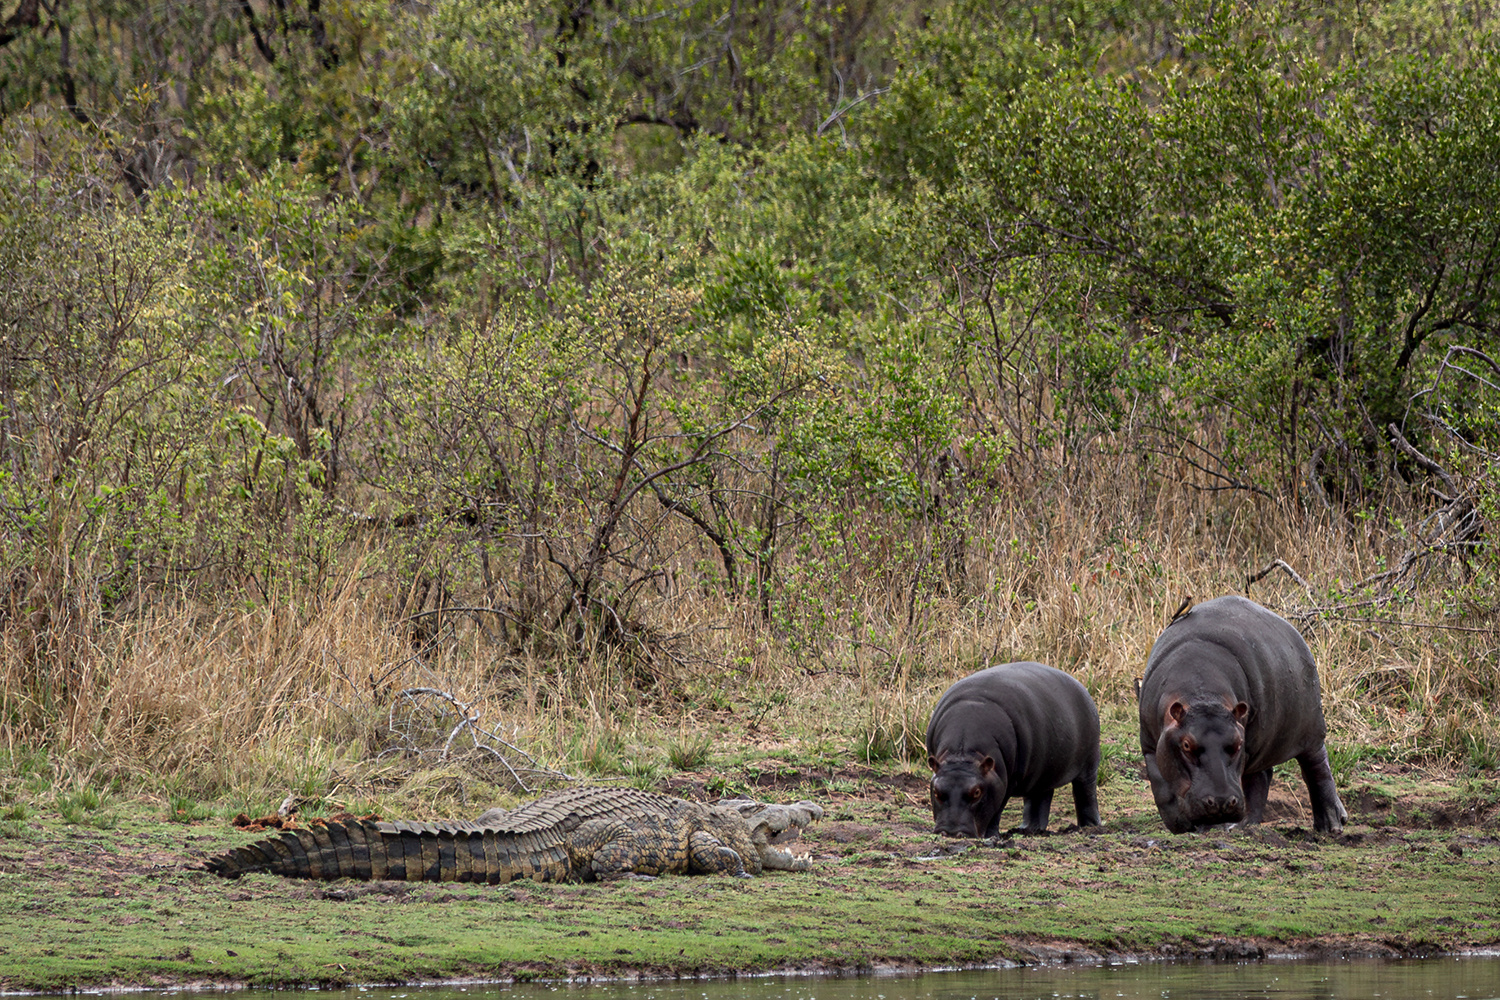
(976, 793)
(1188, 746)
(939, 796)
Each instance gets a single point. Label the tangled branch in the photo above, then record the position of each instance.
(522, 768)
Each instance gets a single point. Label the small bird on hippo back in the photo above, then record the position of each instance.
(1016, 730)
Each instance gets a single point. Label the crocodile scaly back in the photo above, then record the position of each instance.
(575, 834)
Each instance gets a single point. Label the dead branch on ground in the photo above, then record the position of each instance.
(413, 738)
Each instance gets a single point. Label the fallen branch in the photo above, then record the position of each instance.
(518, 764)
(1324, 616)
(1282, 565)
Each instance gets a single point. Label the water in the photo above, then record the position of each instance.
(1438, 979)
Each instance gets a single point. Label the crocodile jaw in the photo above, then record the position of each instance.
(773, 818)
(768, 820)
(773, 858)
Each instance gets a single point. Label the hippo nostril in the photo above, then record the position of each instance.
(1220, 809)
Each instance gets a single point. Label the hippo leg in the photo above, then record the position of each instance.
(1257, 787)
(993, 830)
(1034, 815)
(1328, 812)
(1086, 801)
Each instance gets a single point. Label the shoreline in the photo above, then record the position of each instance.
(1414, 876)
(1060, 956)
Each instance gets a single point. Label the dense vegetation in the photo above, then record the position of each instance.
(612, 366)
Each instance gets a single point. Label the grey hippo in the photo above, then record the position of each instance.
(1017, 729)
(1231, 691)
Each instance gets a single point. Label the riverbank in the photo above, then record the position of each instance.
(114, 896)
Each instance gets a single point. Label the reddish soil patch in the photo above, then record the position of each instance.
(292, 821)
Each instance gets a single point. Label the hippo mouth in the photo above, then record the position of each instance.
(1213, 817)
(973, 832)
(1200, 817)
(1223, 825)
(1202, 825)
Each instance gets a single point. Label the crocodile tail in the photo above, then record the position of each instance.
(404, 851)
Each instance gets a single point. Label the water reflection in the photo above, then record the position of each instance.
(1439, 979)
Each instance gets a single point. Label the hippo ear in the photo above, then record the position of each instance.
(1241, 712)
(935, 761)
(987, 766)
(1175, 713)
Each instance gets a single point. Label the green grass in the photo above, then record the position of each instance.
(83, 906)
(88, 806)
(1102, 892)
(12, 822)
(184, 809)
(689, 751)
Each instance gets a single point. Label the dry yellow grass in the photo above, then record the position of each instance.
(302, 693)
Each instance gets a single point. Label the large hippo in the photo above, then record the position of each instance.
(1014, 729)
(1230, 691)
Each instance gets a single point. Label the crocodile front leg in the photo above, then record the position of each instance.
(710, 856)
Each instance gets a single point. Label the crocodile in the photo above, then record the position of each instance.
(573, 835)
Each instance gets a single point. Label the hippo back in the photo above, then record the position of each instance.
(1035, 718)
(1234, 646)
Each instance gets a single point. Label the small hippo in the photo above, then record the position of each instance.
(1230, 691)
(1013, 729)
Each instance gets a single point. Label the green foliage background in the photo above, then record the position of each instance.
(556, 308)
